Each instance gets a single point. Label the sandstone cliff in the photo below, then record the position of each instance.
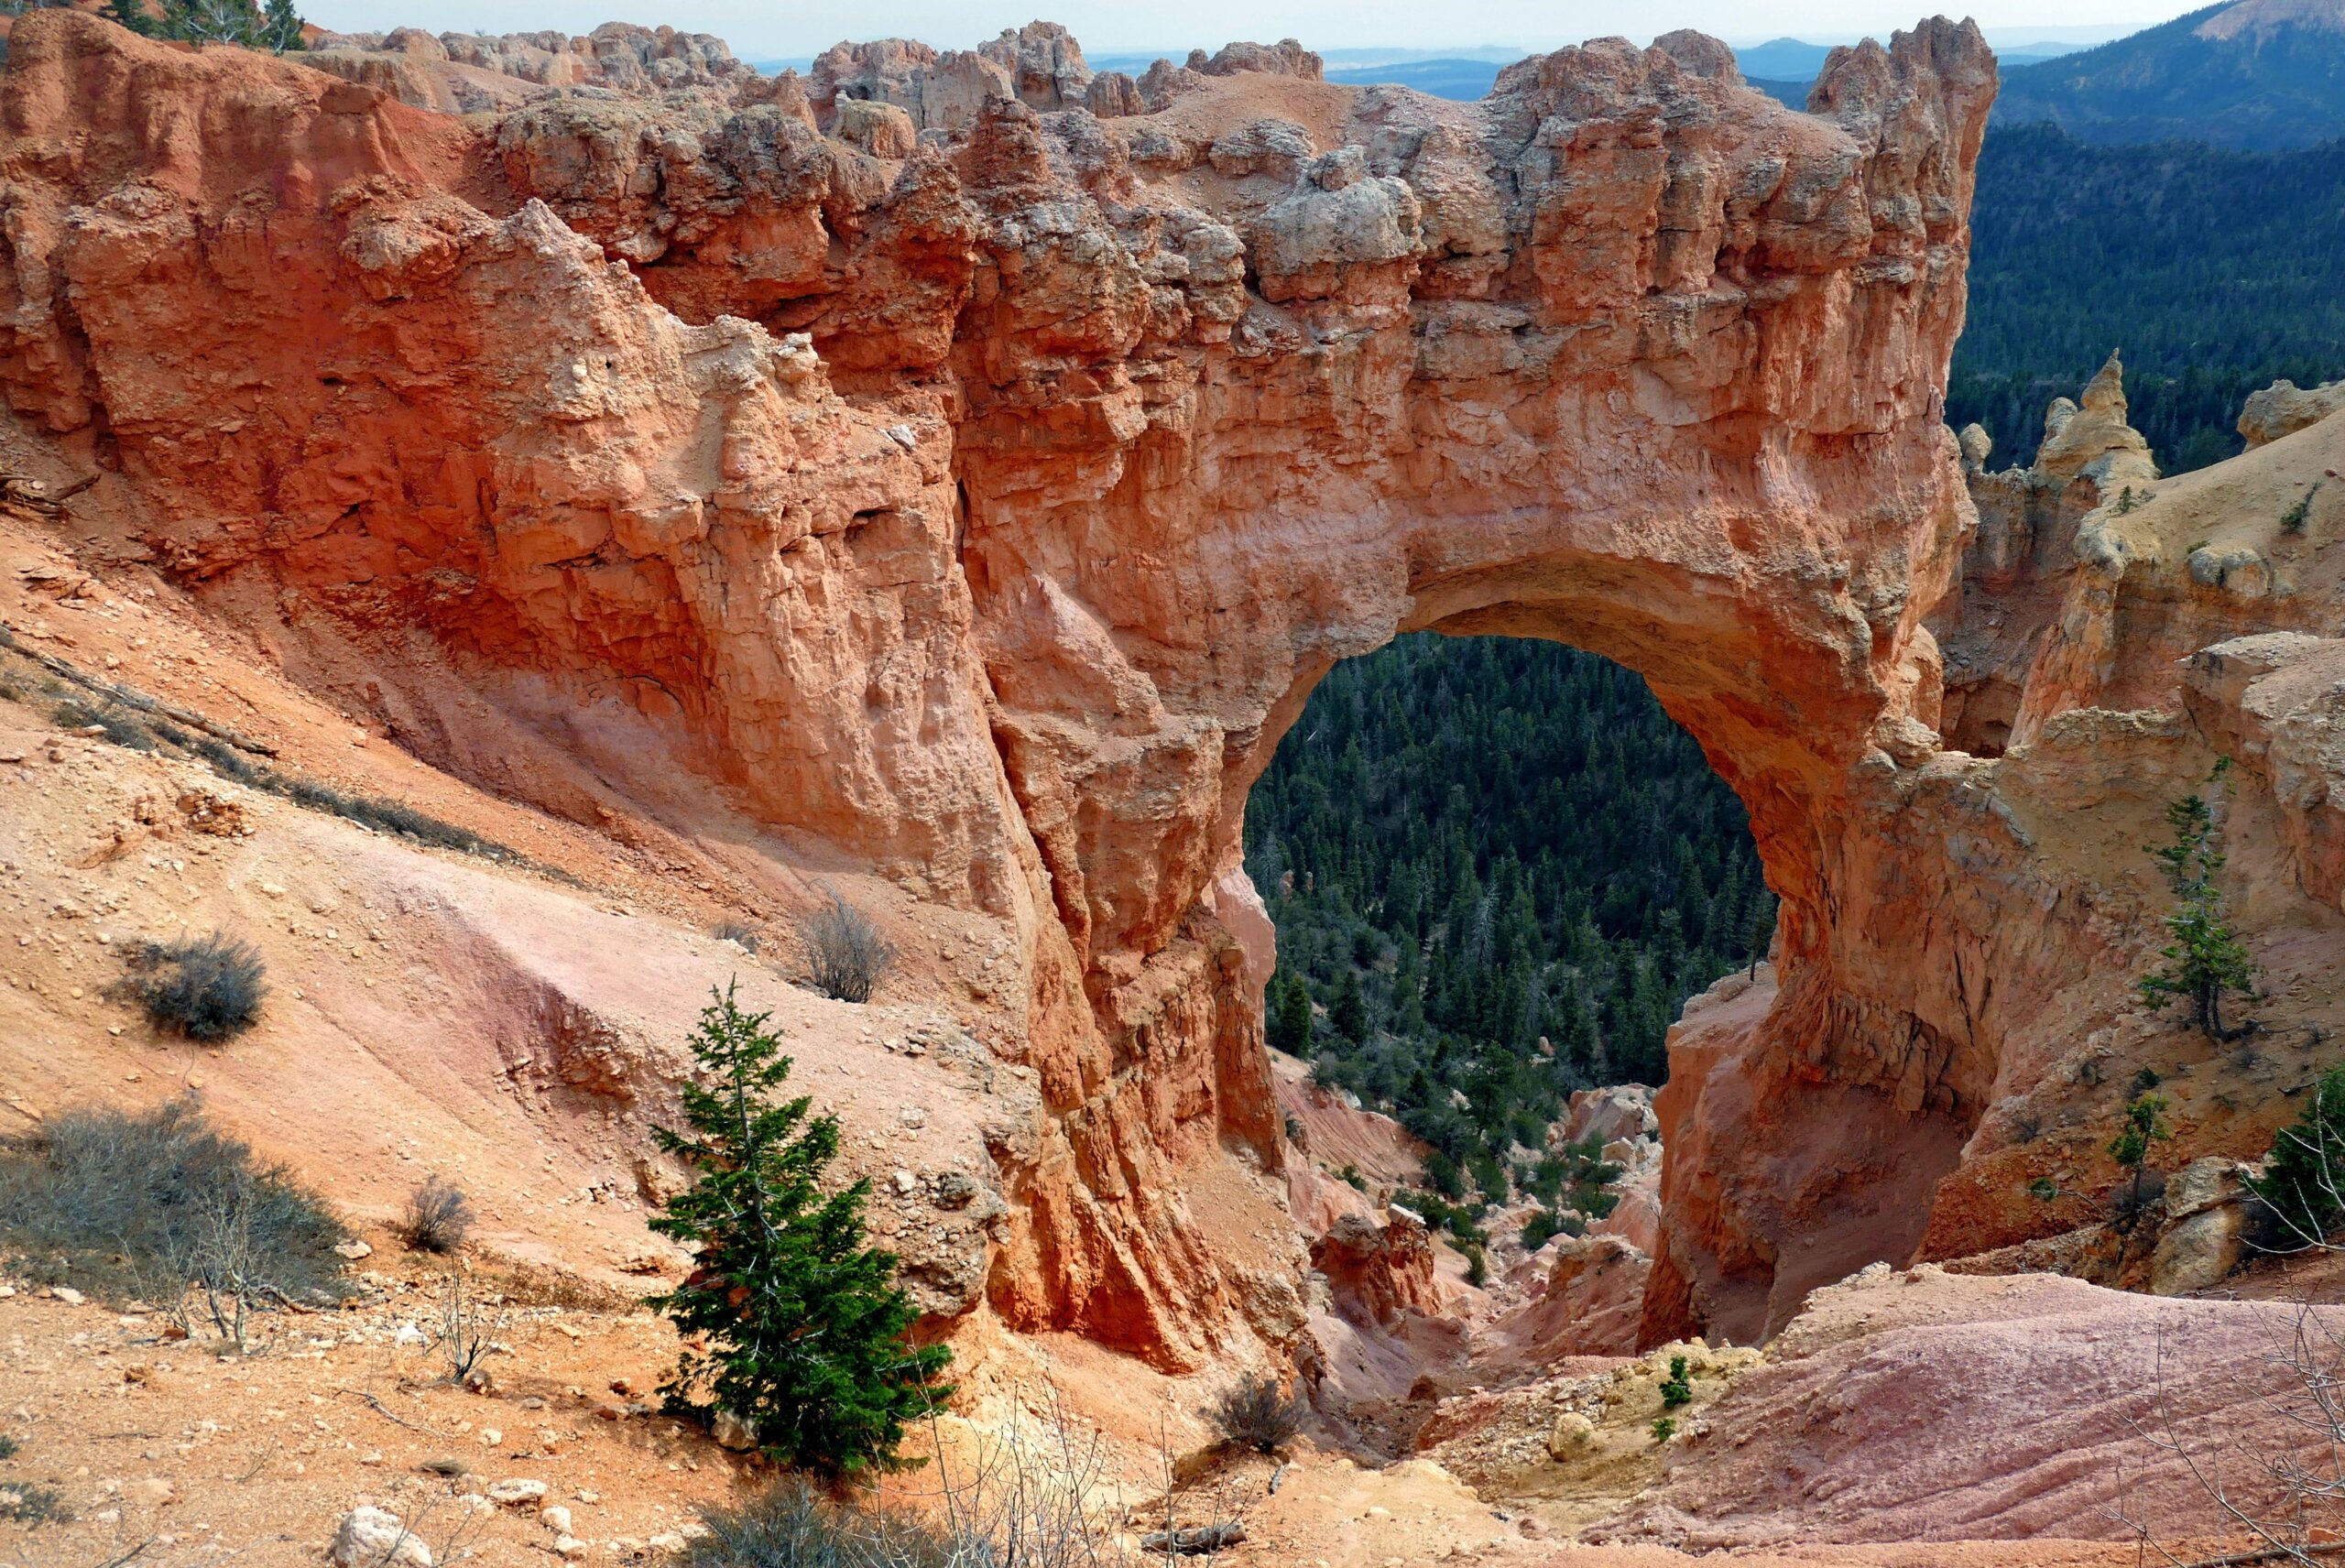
(982, 515)
(967, 490)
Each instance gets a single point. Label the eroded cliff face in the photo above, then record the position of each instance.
(979, 502)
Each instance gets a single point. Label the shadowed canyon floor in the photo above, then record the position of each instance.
(940, 480)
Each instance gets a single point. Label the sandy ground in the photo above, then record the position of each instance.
(212, 1457)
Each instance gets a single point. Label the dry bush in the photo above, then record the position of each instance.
(163, 1205)
(2284, 1499)
(736, 931)
(437, 1217)
(1032, 1494)
(846, 956)
(472, 1323)
(207, 988)
(1258, 1414)
(793, 1525)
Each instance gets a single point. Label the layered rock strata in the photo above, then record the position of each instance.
(979, 503)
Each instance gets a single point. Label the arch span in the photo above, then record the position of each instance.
(1103, 439)
(1673, 424)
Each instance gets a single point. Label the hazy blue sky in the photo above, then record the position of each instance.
(765, 29)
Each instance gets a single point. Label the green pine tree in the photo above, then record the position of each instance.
(2304, 1182)
(1349, 1011)
(131, 14)
(1289, 1010)
(280, 26)
(2204, 961)
(2144, 1124)
(803, 1328)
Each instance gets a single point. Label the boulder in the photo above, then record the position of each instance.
(2203, 1235)
(731, 1432)
(376, 1538)
(2284, 408)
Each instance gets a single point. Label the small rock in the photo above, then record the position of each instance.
(67, 1294)
(586, 1496)
(669, 1543)
(490, 1437)
(354, 1249)
(907, 1183)
(731, 1432)
(555, 1518)
(517, 1492)
(569, 1546)
(376, 1538)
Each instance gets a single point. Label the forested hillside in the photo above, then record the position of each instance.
(2214, 271)
(1473, 845)
(2258, 74)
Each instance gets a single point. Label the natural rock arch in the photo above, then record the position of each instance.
(1106, 439)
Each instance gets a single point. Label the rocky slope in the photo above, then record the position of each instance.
(706, 492)
(968, 497)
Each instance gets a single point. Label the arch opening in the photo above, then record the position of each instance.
(1497, 869)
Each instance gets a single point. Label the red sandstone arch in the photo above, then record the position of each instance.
(1106, 440)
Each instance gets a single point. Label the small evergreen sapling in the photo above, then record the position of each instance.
(804, 1326)
(2204, 961)
(1679, 1388)
(2144, 1124)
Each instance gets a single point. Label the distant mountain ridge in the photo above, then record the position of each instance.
(2258, 75)
(1782, 68)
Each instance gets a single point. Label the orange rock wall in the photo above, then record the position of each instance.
(1104, 440)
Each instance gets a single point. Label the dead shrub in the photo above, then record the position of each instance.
(737, 932)
(1258, 1414)
(207, 988)
(791, 1525)
(437, 1219)
(162, 1206)
(472, 1323)
(846, 956)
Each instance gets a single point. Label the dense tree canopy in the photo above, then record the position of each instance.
(2214, 271)
(1470, 846)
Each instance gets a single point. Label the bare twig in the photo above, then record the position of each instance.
(381, 1410)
